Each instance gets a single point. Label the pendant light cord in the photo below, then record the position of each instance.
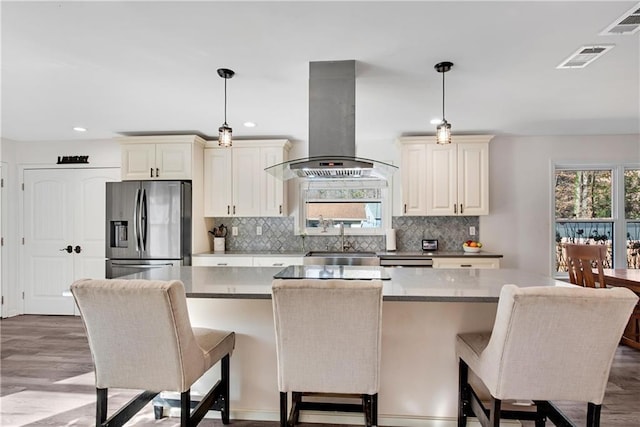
(225, 100)
(443, 119)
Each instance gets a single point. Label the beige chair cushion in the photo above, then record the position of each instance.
(549, 343)
(141, 337)
(328, 335)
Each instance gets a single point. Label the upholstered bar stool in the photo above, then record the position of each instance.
(328, 335)
(547, 343)
(141, 338)
(581, 260)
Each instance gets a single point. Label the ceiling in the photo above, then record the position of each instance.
(150, 67)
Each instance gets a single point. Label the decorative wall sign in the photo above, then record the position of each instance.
(72, 159)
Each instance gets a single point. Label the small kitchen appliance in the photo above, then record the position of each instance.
(430, 245)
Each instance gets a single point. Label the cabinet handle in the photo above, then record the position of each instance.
(278, 264)
(221, 264)
(151, 173)
(461, 209)
(405, 208)
(157, 172)
(234, 209)
(455, 208)
(280, 208)
(228, 209)
(466, 265)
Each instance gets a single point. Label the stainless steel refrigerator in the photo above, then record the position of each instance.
(148, 225)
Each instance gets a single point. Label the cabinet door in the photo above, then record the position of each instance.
(218, 187)
(246, 181)
(441, 180)
(138, 161)
(173, 161)
(272, 196)
(413, 165)
(473, 179)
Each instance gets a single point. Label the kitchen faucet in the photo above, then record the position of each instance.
(344, 247)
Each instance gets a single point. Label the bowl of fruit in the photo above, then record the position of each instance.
(471, 246)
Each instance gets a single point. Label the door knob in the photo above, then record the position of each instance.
(69, 249)
(77, 249)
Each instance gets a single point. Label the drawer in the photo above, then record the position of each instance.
(282, 261)
(222, 261)
(466, 263)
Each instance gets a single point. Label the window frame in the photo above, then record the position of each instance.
(618, 214)
(385, 200)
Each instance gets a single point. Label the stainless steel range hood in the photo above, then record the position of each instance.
(332, 129)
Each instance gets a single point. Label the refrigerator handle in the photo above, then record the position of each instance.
(135, 219)
(143, 220)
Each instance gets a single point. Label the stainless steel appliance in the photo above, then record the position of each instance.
(148, 225)
(340, 258)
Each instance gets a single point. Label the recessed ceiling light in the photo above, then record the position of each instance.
(249, 124)
(80, 129)
(436, 121)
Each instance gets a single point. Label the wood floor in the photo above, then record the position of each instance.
(46, 379)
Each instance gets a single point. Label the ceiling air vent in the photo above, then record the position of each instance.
(585, 56)
(627, 24)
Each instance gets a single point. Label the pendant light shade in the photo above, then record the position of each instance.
(443, 131)
(225, 131)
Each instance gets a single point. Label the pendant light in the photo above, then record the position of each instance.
(225, 131)
(443, 131)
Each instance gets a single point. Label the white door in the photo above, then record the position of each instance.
(246, 181)
(442, 187)
(217, 182)
(138, 161)
(3, 229)
(272, 196)
(473, 178)
(64, 226)
(413, 169)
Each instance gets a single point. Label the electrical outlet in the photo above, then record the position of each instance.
(234, 231)
(472, 231)
(258, 230)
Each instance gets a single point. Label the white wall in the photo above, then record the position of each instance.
(519, 225)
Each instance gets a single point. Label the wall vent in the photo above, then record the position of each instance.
(585, 56)
(627, 24)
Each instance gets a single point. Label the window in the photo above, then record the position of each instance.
(360, 205)
(583, 211)
(632, 216)
(589, 209)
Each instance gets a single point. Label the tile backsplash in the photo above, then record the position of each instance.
(278, 234)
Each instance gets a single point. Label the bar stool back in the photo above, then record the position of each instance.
(141, 338)
(547, 343)
(328, 337)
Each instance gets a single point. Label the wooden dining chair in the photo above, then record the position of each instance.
(581, 260)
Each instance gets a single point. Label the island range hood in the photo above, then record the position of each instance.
(332, 129)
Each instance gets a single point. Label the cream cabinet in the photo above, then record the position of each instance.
(445, 180)
(160, 157)
(412, 166)
(236, 183)
(213, 260)
(466, 262)
(276, 261)
(222, 261)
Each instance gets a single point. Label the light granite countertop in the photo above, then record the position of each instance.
(381, 254)
(406, 284)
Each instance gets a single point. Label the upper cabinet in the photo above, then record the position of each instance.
(160, 157)
(445, 180)
(235, 183)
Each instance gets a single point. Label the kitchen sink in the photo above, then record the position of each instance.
(340, 258)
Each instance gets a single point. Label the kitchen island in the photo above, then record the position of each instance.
(423, 311)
